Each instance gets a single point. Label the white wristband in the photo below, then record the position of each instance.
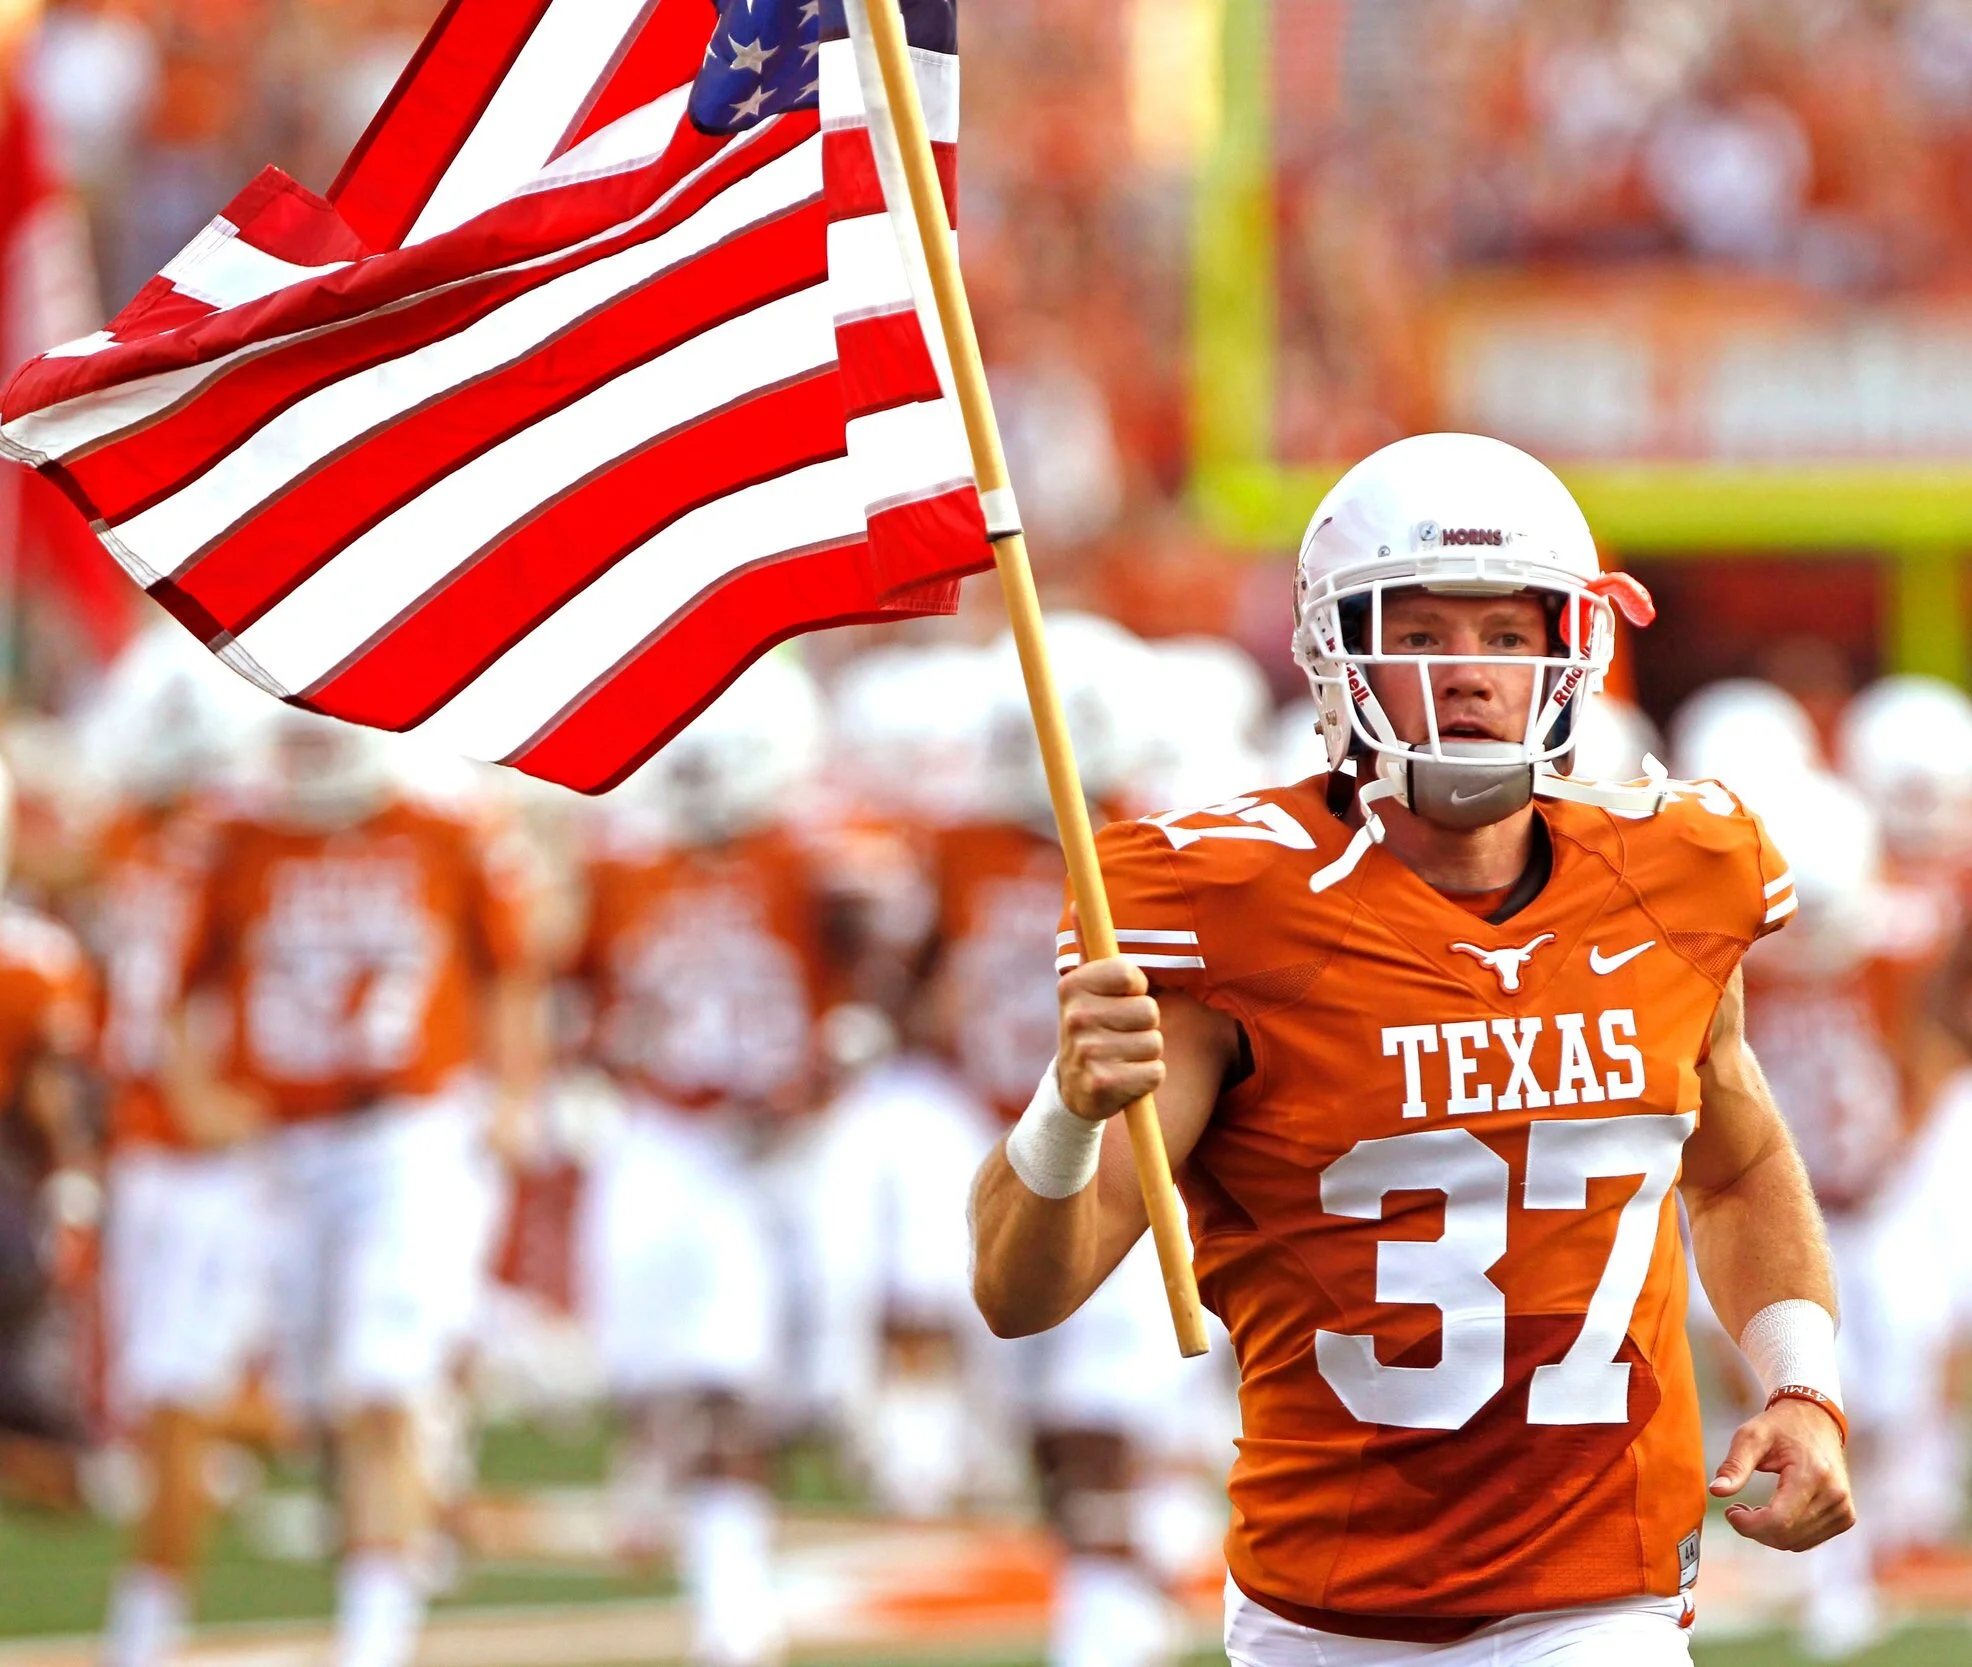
(1053, 1151)
(1793, 1344)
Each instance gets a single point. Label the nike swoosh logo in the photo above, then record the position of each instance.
(1599, 962)
(1459, 798)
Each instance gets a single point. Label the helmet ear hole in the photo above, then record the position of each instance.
(1353, 614)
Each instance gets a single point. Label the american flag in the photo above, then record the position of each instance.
(603, 367)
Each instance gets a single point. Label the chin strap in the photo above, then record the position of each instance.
(1370, 833)
(1633, 799)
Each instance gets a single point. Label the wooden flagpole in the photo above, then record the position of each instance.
(989, 465)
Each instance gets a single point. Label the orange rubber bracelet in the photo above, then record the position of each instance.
(1801, 1392)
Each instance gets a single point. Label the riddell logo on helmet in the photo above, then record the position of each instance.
(1472, 535)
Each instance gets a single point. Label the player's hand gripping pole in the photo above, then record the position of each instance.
(989, 466)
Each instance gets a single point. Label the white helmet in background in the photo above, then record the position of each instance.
(910, 728)
(1753, 736)
(168, 718)
(1906, 745)
(1833, 847)
(1612, 739)
(1299, 749)
(1203, 724)
(734, 768)
(1458, 515)
(1104, 673)
(320, 773)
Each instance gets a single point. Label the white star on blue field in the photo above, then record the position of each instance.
(762, 58)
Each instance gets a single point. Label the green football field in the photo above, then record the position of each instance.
(55, 1572)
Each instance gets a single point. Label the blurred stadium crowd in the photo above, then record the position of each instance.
(1744, 152)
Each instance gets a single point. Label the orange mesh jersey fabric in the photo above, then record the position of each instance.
(999, 891)
(1437, 1216)
(150, 868)
(708, 969)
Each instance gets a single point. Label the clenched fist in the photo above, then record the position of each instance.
(1112, 1052)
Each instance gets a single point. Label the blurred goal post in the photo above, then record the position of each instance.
(1915, 518)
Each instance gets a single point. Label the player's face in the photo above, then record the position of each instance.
(1475, 701)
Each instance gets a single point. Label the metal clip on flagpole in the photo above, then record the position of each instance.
(1024, 609)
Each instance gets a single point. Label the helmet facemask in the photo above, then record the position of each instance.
(1455, 783)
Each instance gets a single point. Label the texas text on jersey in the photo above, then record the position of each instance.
(1435, 1209)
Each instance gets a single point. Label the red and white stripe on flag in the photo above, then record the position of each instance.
(554, 417)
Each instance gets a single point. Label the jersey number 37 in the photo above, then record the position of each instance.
(1588, 1385)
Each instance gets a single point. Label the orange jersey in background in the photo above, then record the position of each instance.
(999, 893)
(149, 873)
(707, 970)
(353, 961)
(47, 1007)
(1828, 1044)
(1436, 1214)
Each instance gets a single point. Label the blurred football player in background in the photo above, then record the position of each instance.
(705, 964)
(1905, 744)
(899, 1346)
(1102, 1393)
(186, 1264)
(48, 1193)
(358, 956)
(1821, 1016)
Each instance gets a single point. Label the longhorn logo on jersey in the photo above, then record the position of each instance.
(1506, 962)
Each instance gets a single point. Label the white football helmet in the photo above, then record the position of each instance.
(1833, 845)
(909, 728)
(320, 773)
(1906, 745)
(1203, 723)
(1458, 515)
(1612, 740)
(1753, 736)
(1104, 673)
(736, 766)
(168, 718)
(1299, 748)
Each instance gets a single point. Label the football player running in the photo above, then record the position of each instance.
(706, 960)
(1105, 1396)
(184, 1295)
(358, 956)
(1432, 1040)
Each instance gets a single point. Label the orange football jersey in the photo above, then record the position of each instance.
(999, 891)
(353, 960)
(1827, 1043)
(47, 1003)
(708, 969)
(149, 872)
(1436, 1213)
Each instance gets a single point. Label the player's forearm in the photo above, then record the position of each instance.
(1759, 1239)
(209, 1109)
(1035, 1259)
(517, 1035)
(52, 1097)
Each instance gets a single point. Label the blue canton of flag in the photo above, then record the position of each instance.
(761, 61)
(763, 56)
